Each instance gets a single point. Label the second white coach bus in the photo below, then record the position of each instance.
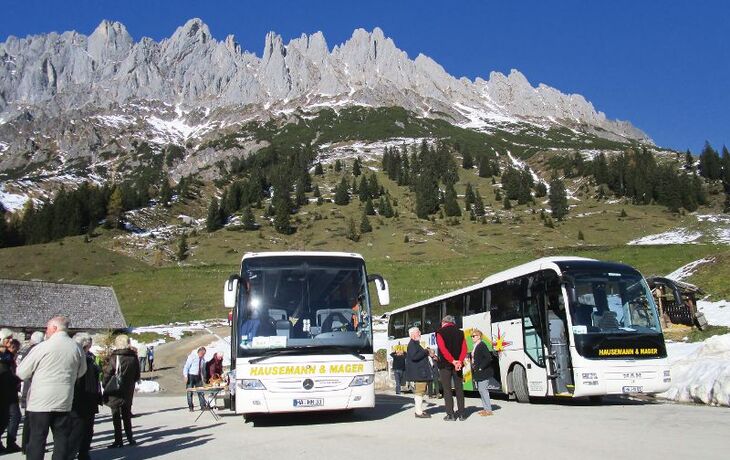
(562, 326)
(301, 332)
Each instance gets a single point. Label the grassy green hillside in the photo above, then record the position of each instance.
(421, 258)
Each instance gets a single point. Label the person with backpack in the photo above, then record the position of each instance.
(85, 406)
(123, 367)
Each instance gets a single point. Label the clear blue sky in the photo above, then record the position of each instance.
(663, 65)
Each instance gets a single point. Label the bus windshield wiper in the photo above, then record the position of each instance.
(339, 348)
(278, 352)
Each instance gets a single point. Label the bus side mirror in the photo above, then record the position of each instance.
(230, 289)
(381, 287)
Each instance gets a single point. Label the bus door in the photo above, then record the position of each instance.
(534, 327)
(558, 356)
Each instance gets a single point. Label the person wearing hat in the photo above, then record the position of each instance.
(452, 352)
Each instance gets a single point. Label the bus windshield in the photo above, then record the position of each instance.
(315, 302)
(612, 303)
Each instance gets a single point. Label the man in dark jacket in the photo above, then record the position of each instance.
(120, 401)
(399, 367)
(452, 352)
(87, 397)
(418, 370)
(482, 370)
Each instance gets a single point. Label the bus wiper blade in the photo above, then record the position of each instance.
(271, 353)
(340, 348)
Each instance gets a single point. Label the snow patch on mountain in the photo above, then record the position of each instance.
(12, 201)
(677, 236)
(367, 151)
(685, 271)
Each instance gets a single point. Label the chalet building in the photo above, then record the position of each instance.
(27, 306)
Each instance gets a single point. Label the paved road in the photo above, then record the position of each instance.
(620, 429)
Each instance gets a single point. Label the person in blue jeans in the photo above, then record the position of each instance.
(482, 370)
(399, 368)
(194, 376)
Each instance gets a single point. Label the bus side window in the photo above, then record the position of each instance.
(504, 303)
(431, 317)
(474, 302)
(414, 318)
(397, 326)
(455, 307)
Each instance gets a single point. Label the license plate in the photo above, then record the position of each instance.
(311, 402)
(633, 389)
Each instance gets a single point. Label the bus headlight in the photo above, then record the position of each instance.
(251, 384)
(361, 380)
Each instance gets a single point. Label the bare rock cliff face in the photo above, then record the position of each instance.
(55, 74)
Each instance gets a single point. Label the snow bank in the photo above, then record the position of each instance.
(701, 375)
(147, 386)
(716, 313)
(686, 271)
(176, 330)
(678, 236)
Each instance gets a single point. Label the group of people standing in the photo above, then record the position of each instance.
(452, 349)
(62, 390)
(198, 371)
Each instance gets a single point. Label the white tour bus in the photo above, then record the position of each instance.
(563, 326)
(301, 335)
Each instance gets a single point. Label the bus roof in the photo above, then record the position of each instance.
(251, 255)
(529, 267)
(532, 267)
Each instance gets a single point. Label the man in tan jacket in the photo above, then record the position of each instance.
(54, 365)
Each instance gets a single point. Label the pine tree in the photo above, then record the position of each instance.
(485, 167)
(301, 197)
(318, 170)
(182, 248)
(497, 195)
(365, 226)
(342, 195)
(558, 199)
(249, 221)
(468, 197)
(581, 237)
(356, 168)
(478, 204)
(369, 209)
(282, 220)
(373, 186)
(355, 189)
(165, 192)
(451, 205)
(540, 190)
(363, 191)
(338, 165)
(214, 220)
(467, 161)
(352, 234)
(710, 163)
(114, 209)
(316, 193)
(388, 212)
(506, 204)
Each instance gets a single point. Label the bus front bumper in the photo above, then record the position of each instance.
(617, 378)
(264, 401)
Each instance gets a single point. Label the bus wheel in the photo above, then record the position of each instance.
(519, 384)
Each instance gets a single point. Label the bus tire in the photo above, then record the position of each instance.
(518, 383)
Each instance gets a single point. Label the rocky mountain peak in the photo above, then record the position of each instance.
(110, 41)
